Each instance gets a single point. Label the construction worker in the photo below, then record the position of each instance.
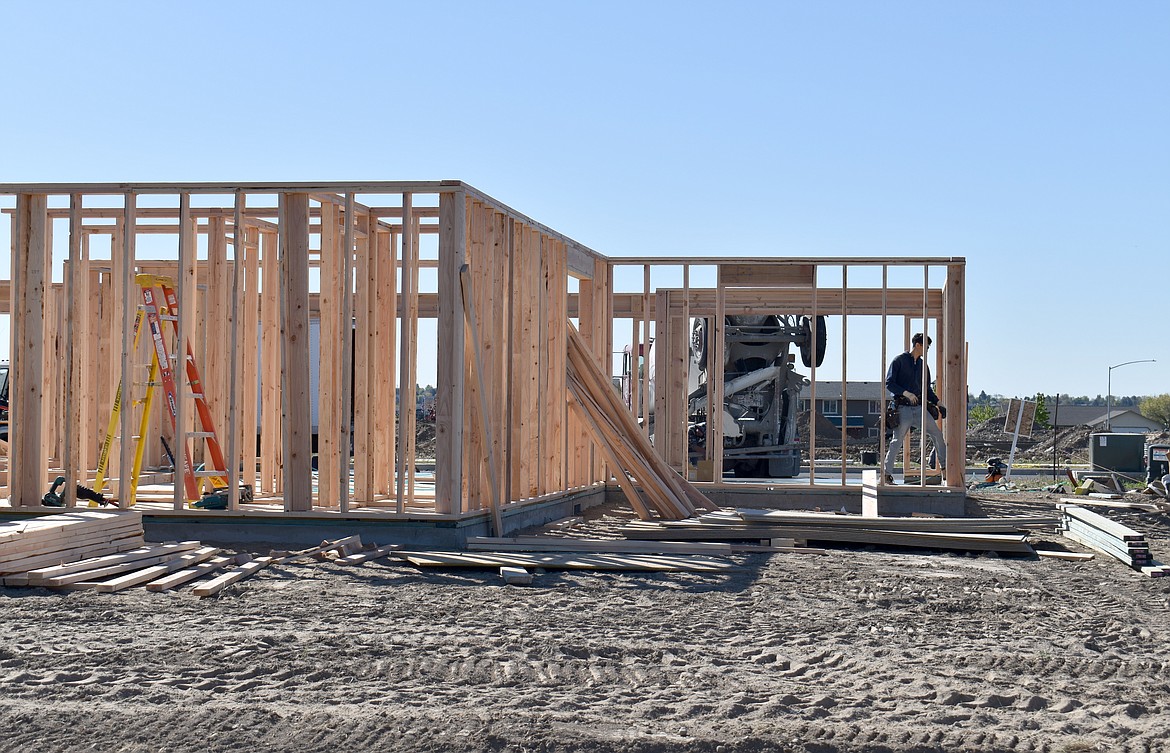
(905, 379)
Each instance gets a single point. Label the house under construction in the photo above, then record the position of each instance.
(395, 273)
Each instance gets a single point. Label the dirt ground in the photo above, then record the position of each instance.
(860, 650)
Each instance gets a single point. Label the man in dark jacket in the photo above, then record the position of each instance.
(905, 380)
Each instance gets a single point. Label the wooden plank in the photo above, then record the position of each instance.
(916, 539)
(1060, 555)
(270, 376)
(294, 255)
(862, 301)
(451, 367)
(365, 324)
(363, 557)
(51, 526)
(328, 374)
(911, 523)
(191, 573)
(313, 551)
(1111, 527)
(26, 450)
(766, 275)
(156, 571)
(407, 384)
(249, 321)
(550, 544)
(117, 563)
(185, 295)
(581, 561)
(345, 393)
(235, 576)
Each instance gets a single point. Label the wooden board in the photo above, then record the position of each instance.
(243, 571)
(631, 562)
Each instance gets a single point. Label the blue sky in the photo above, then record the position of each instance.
(1031, 138)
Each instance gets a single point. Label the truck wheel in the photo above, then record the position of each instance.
(699, 343)
(806, 341)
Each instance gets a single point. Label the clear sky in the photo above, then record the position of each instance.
(1031, 138)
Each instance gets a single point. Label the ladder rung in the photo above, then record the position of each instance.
(168, 318)
(196, 395)
(200, 434)
(211, 473)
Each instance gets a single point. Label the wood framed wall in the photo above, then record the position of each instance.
(256, 263)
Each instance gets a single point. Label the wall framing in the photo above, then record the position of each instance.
(255, 262)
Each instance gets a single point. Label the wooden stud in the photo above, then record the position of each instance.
(126, 326)
(328, 378)
(347, 335)
(956, 376)
(26, 451)
(294, 261)
(451, 371)
(185, 294)
(271, 445)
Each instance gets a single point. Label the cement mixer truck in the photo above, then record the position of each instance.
(761, 390)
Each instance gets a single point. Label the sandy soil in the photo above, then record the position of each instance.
(862, 650)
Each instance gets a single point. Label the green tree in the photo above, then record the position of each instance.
(1157, 408)
(1042, 416)
(980, 413)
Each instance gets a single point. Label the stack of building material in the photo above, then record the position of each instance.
(66, 537)
(652, 487)
(1110, 537)
(965, 534)
(570, 561)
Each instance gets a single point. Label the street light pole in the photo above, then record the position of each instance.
(1109, 390)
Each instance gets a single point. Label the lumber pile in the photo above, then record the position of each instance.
(104, 551)
(652, 487)
(570, 561)
(66, 537)
(964, 534)
(1110, 537)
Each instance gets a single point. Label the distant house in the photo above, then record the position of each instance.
(862, 414)
(1122, 420)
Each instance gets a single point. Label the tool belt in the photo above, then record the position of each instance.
(892, 419)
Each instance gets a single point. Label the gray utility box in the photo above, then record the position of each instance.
(1157, 462)
(1114, 451)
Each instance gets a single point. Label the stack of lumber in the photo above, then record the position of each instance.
(1110, 537)
(652, 486)
(66, 537)
(965, 534)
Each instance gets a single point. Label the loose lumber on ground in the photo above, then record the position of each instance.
(605, 546)
(112, 564)
(569, 561)
(363, 557)
(234, 576)
(191, 573)
(149, 573)
(1110, 537)
(325, 546)
(930, 533)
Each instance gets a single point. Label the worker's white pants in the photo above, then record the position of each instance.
(910, 416)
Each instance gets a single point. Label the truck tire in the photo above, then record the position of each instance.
(699, 343)
(806, 353)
